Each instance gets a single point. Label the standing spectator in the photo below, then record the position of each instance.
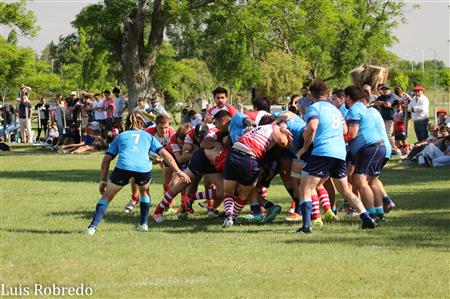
(24, 90)
(60, 117)
(404, 99)
(399, 127)
(73, 107)
(384, 103)
(372, 97)
(43, 109)
(194, 118)
(185, 117)
(108, 105)
(292, 106)
(156, 108)
(25, 112)
(120, 106)
(99, 110)
(304, 102)
(419, 108)
(204, 113)
(142, 108)
(85, 108)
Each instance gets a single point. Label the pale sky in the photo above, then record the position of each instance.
(427, 28)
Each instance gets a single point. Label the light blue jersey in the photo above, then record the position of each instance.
(343, 110)
(367, 133)
(379, 125)
(296, 125)
(133, 148)
(329, 138)
(237, 126)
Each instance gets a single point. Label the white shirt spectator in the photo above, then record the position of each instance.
(196, 120)
(419, 107)
(97, 106)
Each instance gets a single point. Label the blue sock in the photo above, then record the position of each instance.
(145, 206)
(334, 211)
(291, 192)
(297, 206)
(387, 199)
(255, 208)
(372, 212)
(268, 205)
(306, 207)
(365, 217)
(379, 210)
(100, 210)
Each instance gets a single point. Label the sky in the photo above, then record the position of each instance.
(426, 32)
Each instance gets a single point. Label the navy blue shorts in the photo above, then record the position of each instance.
(241, 167)
(200, 164)
(121, 177)
(324, 167)
(369, 160)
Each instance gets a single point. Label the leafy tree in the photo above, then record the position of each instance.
(15, 16)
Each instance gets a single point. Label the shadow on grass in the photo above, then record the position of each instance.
(430, 199)
(40, 232)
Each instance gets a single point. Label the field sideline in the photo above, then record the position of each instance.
(47, 200)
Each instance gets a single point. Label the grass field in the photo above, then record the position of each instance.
(47, 200)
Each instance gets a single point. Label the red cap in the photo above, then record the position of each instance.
(441, 111)
(418, 87)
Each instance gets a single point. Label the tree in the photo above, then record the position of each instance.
(15, 16)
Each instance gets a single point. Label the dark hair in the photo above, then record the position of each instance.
(192, 113)
(183, 130)
(318, 89)
(366, 95)
(162, 119)
(398, 90)
(395, 103)
(339, 93)
(220, 90)
(222, 113)
(355, 93)
(201, 130)
(262, 103)
(107, 91)
(266, 119)
(291, 102)
(97, 94)
(116, 90)
(185, 110)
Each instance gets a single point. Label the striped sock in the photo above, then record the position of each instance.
(145, 203)
(165, 202)
(135, 197)
(239, 204)
(324, 199)
(228, 204)
(209, 193)
(100, 210)
(315, 212)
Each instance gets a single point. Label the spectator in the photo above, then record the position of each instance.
(304, 103)
(43, 110)
(194, 118)
(90, 142)
(419, 108)
(204, 113)
(120, 105)
(24, 90)
(86, 112)
(185, 117)
(25, 111)
(72, 106)
(442, 118)
(384, 104)
(51, 135)
(443, 160)
(60, 116)
(399, 127)
(292, 106)
(435, 137)
(156, 108)
(108, 105)
(99, 110)
(372, 97)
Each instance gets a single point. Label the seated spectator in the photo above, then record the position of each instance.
(194, 118)
(442, 118)
(90, 142)
(436, 137)
(156, 108)
(443, 160)
(52, 134)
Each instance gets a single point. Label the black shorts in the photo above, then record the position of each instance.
(108, 124)
(270, 167)
(200, 164)
(241, 167)
(369, 160)
(121, 177)
(324, 167)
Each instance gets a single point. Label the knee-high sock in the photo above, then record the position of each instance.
(263, 192)
(324, 199)
(100, 211)
(168, 196)
(145, 203)
(315, 213)
(228, 204)
(239, 204)
(209, 193)
(306, 207)
(135, 197)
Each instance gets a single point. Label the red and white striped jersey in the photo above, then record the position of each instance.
(259, 140)
(256, 115)
(214, 109)
(173, 146)
(164, 140)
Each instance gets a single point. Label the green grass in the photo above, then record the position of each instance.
(47, 200)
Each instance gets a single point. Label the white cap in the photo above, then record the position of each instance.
(73, 93)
